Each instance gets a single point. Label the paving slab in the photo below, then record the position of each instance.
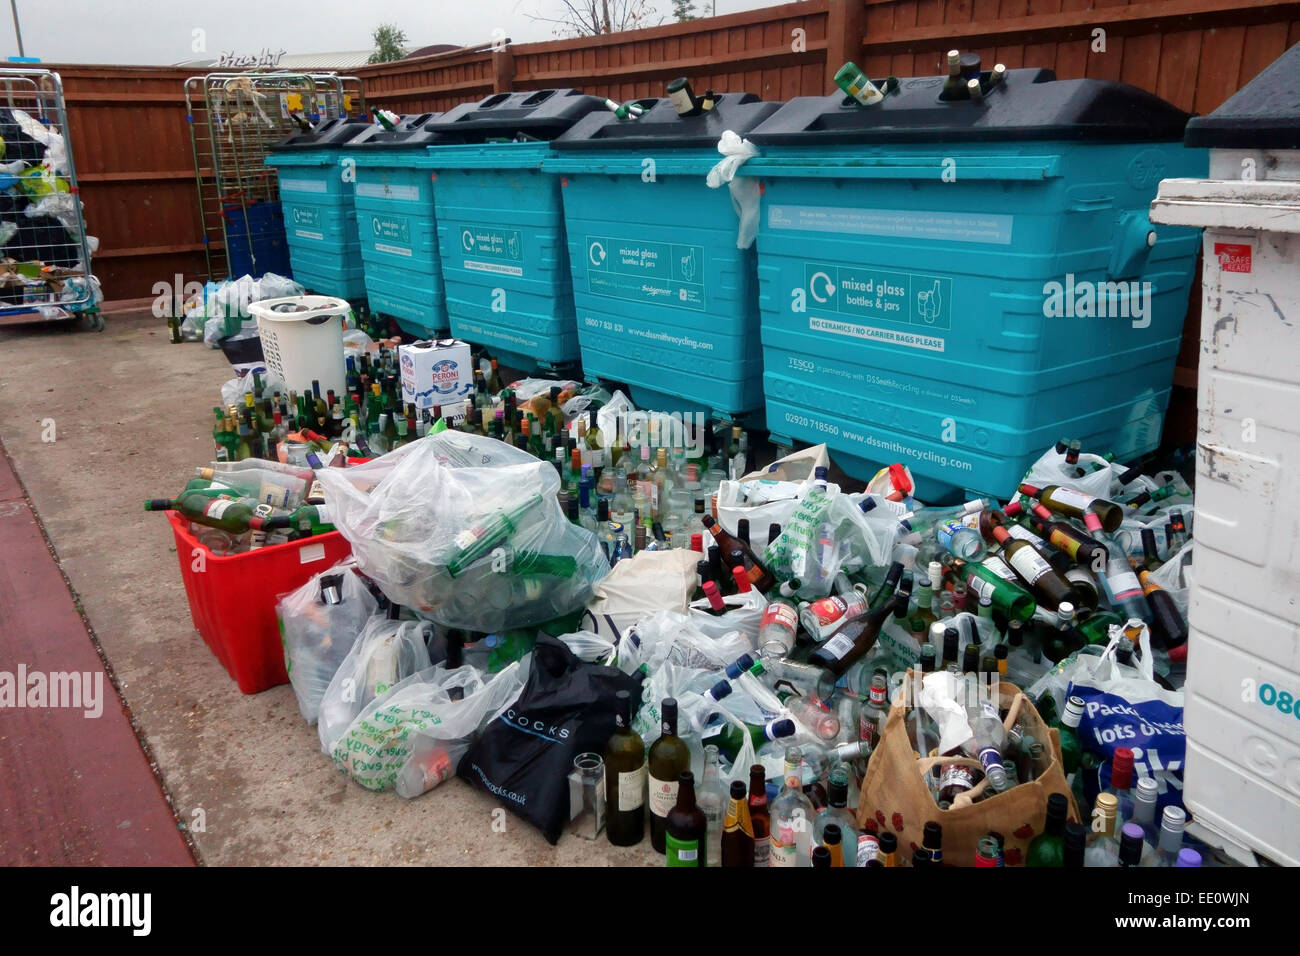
(132, 418)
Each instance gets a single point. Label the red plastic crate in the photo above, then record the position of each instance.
(232, 601)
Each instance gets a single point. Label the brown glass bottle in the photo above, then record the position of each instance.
(1048, 586)
(737, 831)
(759, 818)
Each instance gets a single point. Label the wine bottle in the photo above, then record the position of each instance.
(839, 653)
(759, 575)
(1046, 584)
(685, 838)
(625, 778)
(668, 758)
(994, 578)
(1097, 514)
(759, 817)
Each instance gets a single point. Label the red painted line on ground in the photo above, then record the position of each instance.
(74, 790)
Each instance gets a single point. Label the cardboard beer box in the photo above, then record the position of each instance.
(435, 373)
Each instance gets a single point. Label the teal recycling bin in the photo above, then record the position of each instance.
(666, 302)
(501, 242)
(956, 283)
(316, 196)
(397, 225)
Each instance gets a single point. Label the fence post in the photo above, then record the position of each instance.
(846, 22)
(503, 70)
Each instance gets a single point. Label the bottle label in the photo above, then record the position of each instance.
(1030, 564)
(682, 852)
(1001, 569)
(980, 588)
(631, 789)
(948, 529)
(782, 615)
(782, 848)
(868, 729)
(1071, 499)
(217, 507)
(762, 852)
(836, 610)
(663, 796)
(868, 849)
(1022, 533)
(956, 775)
(1125, 585)
(838, 646)
(324, 515)
(275, 495)
(1064, 542)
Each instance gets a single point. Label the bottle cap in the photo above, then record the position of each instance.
(668, 713)
(821, 857)
(1107, 803)
(1174, 819)
(839, 793)
(697, 542)
(970, 657)
(938, 636)
(738, 791)
(720, 690)
(1000, 652)
(1076, 835)
(933, 838)
(832, 834)
(1121, 768)
(784, 728)
(1130, 844)
(1188, 857)
(1058, 807)
(1147, 789)
(888, 842)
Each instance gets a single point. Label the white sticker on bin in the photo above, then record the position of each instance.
(311, 552)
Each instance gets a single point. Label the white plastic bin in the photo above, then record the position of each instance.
(1242, 716)
(302, 340)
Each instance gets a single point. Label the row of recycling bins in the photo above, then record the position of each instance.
(952, 284)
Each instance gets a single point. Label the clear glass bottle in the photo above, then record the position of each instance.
(792, 817)
(1102, 846)
(711, 797)
(837, 813)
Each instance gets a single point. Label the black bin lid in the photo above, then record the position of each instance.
(331, 133)
(1029, 104)
(661, 125)
(542, 114)
(411, 131)
(1263, 114)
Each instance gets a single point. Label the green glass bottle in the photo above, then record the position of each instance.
(625, 778)
(307, 520)
(480, 538)
(729, 738)
(1068, 731)
(685, 835)
(1048, 848)
(993, 577)
(233, 515)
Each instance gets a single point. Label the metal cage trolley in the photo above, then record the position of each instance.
(44, 250)
(234, 119)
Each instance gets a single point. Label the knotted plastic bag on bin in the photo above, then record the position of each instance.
(744, 189)
(385, 653)
(319, 623)
(412, 737)
(468, 530)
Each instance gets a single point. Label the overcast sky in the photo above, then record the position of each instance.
(162, 31)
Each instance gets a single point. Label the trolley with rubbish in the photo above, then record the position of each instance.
(45, 252)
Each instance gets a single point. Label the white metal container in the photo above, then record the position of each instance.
(1242, 716)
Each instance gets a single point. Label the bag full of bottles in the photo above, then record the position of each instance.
(466, 530)
(318, 624)
(411, 737)
(996, 765)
